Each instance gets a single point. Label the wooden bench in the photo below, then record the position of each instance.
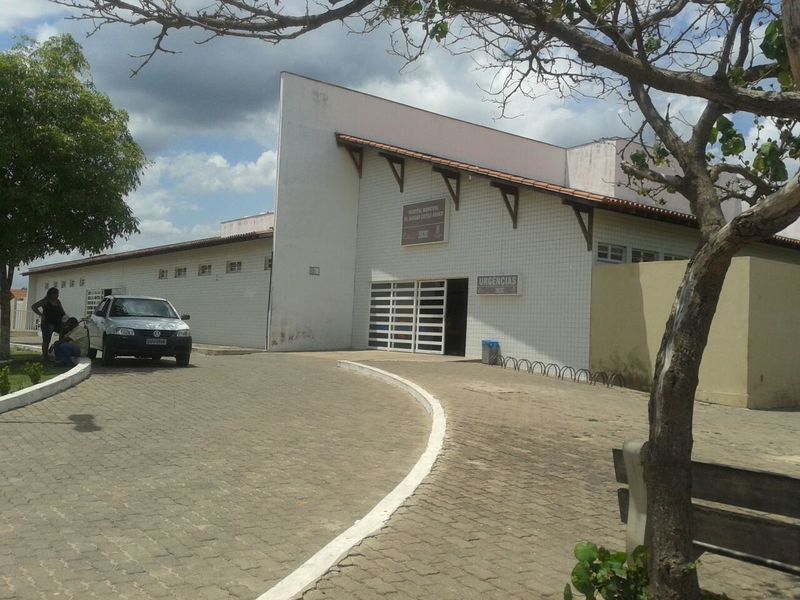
(726, 530)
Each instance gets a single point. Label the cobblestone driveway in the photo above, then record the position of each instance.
(208, 482)
(525, 474)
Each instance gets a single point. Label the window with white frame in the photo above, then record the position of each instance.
(609, 253)
(163, 273)
(63, 283)
(71, 283)
(233, 266)
(81, 282)
(675, 257)
(204, 270)
(180, 272)
(638, 255)
(268, 262)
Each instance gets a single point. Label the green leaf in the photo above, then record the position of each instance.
(568, 592)
(639, 159)
(736, 75)
(733, 145)
(652, 45)
(586, 552)
(582, 579)
(557, 8)
(712, 136)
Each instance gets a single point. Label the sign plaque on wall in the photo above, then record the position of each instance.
(424, 222)
(498, 285)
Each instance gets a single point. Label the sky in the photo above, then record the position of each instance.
(206, 117)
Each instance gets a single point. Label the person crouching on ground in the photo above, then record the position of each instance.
(51, 312)
(72, 344)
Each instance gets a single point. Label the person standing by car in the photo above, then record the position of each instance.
(72, 343)
(51, 312)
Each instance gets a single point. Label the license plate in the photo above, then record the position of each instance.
(156, 341)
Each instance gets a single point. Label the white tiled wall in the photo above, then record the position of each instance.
(548, 321)
(644, 234)
(225, 308)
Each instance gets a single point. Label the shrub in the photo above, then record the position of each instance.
(609, 575)
(5, 380)
(615, 575)
(35, 371)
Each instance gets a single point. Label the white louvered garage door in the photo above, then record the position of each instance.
(408, 316)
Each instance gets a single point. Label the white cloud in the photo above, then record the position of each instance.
(16, 13)
(209, 173)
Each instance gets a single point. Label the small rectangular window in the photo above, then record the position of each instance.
(71, 283)
(82, 282)
(675, 257)
(608, 253)
(234, 266)
(63, 283)
(638, 255)
(180, 272)
(163, 273)
(268, 262)
(204, 270)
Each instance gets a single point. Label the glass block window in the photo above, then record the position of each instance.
(204, 270)
(608, 253)
(233, 266)
(180, 272)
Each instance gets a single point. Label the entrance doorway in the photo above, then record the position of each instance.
(419, 316)
(455, 319)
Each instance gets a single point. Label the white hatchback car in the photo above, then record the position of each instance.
(139, 326)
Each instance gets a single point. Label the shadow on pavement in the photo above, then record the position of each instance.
(84, 423)
(135, 366)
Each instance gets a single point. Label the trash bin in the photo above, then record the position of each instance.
(490, 352)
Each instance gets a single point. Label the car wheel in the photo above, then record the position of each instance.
(182, 359)
(92, 353)
(108, 355)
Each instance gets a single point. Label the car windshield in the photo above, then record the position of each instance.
(141, 307)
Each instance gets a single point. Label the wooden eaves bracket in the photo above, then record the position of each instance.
(395, 163)
(510, 195)
(452, 180)
(357, 154)
(587, 227)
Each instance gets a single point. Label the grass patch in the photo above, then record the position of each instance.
(19, 380)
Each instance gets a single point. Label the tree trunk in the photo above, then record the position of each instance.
(668, 452)
(790, 14)
(6, 277)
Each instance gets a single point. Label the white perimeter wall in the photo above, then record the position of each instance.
(225, 308)
(317, 196)
(548, 321)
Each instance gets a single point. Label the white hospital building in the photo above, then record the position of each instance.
(397, 228)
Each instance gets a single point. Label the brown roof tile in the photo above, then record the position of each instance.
(597, 200)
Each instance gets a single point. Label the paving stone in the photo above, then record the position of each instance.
(214, 481)
(526, 473)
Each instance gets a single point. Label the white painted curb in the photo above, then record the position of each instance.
(316, 566)
(48, 388)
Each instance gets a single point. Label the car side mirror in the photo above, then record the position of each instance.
(185, 317)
